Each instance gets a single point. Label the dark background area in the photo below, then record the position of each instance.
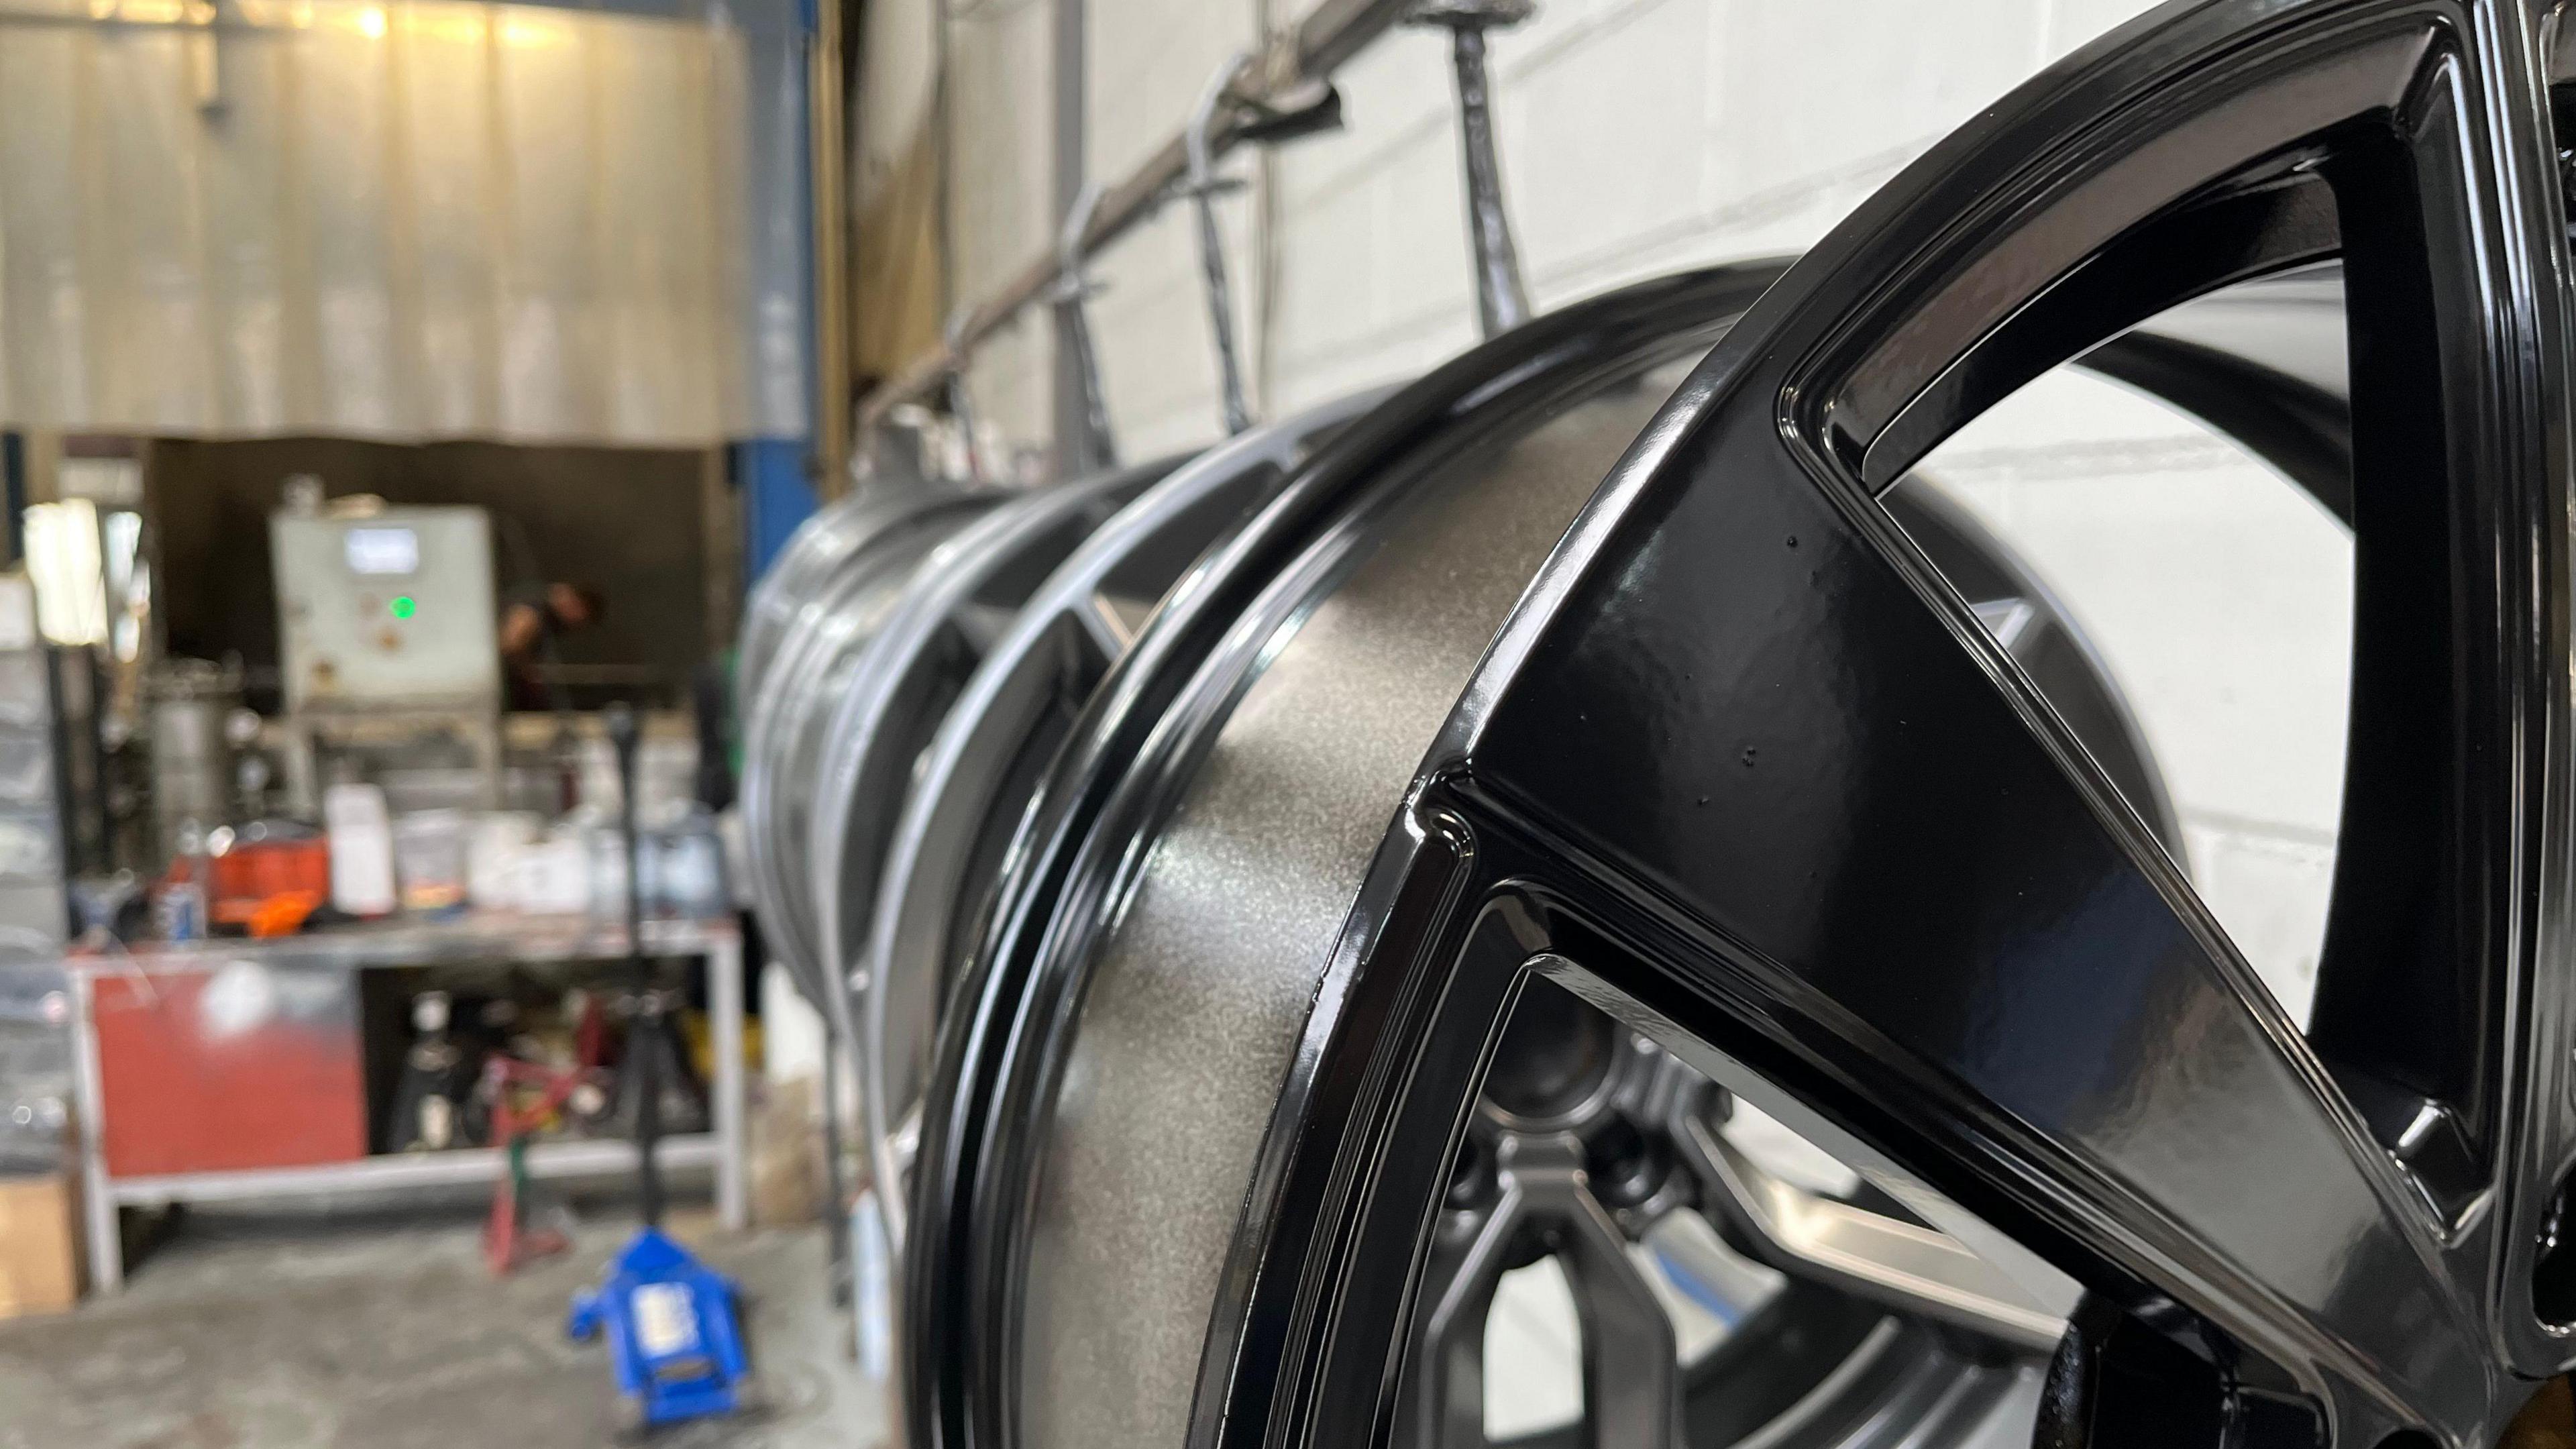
(650, 529)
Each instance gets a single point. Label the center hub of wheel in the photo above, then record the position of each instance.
(1553, 1066)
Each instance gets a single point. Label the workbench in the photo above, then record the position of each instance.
(515, 941)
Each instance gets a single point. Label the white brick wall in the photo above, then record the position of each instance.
(2221, 597)
(1642, 135)
(1637, 136)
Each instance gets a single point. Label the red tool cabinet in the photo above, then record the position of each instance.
(229, 1065)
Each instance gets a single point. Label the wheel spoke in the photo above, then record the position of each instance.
(1905, 1265)
(1904, 854)
(1841, 850)
(1631, 1389)
(1746, 772)
(1631, 1382)
(1110, 626)
(1466, 1268)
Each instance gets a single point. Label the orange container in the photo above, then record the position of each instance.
(255, 872)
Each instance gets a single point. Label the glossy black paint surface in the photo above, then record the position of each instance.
(1751, 766)
(1006, 1034)
(1135, 752)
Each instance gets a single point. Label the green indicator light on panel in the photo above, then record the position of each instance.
(403, 607)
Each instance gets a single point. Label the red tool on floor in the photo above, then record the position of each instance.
(525, 1097)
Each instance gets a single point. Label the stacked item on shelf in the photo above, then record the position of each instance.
(33, 916)
(35, 1065)
(39, 1267)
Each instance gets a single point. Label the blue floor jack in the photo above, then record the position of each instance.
(673, 1332)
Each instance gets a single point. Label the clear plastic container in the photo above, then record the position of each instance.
(498, 844)
(429, 859)
(684, 872)
(682, 867)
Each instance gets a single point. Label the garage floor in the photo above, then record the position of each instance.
(379, 1328)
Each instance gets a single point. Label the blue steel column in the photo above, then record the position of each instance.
(777, 491)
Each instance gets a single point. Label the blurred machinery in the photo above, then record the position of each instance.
(192, 735)
(386, 622)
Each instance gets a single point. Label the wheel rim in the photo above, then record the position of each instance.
(818, 548)
(964, 1375)
(2078, 1057)
(959, 1281)
(973, 779)
(845, 577)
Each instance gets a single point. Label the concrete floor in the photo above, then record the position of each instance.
(378, 1328)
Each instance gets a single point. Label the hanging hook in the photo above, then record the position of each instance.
(1096, 448)
(1203, 185)
(961, 405)
(1502, 300)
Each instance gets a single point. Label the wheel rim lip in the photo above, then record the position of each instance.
(986, 1054)
(857, 737)
(769, 614)
(926, 859)
(819, 547)
(781, 710)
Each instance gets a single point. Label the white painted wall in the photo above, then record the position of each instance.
(1001, 107)
(1638, 136)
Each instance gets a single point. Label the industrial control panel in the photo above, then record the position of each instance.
(393, 610)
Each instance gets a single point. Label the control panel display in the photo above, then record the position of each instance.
(383, 551)
(391, 611)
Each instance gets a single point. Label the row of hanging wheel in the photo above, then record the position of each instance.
(1593, 805)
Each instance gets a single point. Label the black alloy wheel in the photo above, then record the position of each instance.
(1107, 1061)
(1742, 749)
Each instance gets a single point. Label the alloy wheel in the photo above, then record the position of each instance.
(2340, 1237)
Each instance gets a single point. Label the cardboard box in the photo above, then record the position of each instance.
(786, 1155)
(40, 1247)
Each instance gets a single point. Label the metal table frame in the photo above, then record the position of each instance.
(531, 941)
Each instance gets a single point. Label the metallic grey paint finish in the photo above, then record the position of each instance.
(970, 784)
(819, 548)
(1203, 989)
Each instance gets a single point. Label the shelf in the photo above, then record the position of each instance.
(466, 1166)
(401, 941)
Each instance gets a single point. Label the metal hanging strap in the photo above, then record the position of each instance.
(1202, 185)
(961, 403)
(1095, 448)
(1502, 299)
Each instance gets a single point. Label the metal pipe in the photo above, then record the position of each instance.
(645, 1029)
(1069, 417)
(1293, 63)
(1203, 186)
